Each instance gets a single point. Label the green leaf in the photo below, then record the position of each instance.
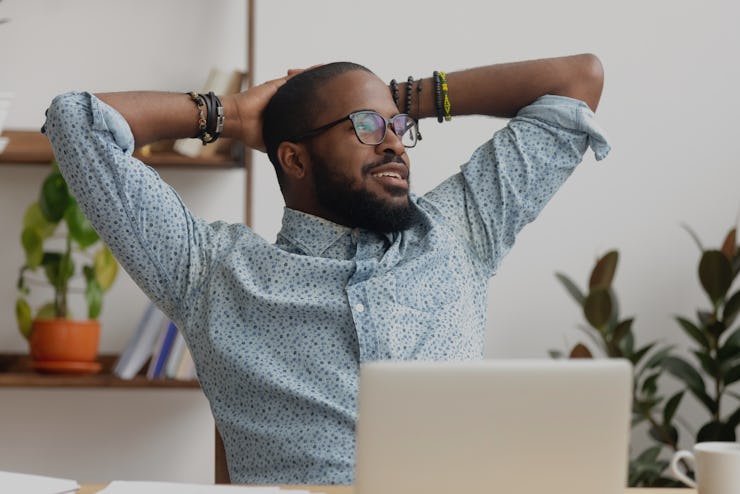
(728, 246)
(715, 273)
(694, 333)
(106, 268)
(694, 236)
(666, 434)
(732, 375)
(580, 351)
(598, 308)
(650, 386)
(54, 197)
(34, 218)
(23, 317)
(33, 246)
(708, 363)
(637, 356)
(623, 328)
(671, 406)
(715, 431)
(94, 297)
(59, 269)
(571, 287)
(657, 359)
(682, 370)
(47, 311)
(732, 309)
(603, 273)
(555, 354)
(78, 226)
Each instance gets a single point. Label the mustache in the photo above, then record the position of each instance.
(388, 159)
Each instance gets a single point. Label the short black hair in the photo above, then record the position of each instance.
(295, 105)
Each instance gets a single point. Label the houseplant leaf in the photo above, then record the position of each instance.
(23, 316)
(728, 246)
(732, 309)
(695, 333)
(598, 308)
(47, 311)
(54, 197)
(671, 406)
(78, 226)
(58, 268)
(33, 246)
(580, 351)
(106, 268)
(34, 218)
(572, 288)
(94, 298)
(603, 273)
(715, 273)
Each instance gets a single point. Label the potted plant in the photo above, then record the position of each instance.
(63, 253)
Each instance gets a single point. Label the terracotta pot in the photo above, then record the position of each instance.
(64, 340)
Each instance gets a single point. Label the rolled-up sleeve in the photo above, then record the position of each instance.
(141, 218)
(510, 178)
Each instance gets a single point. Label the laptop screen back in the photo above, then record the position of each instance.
(509, 426)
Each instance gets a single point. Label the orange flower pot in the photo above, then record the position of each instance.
(64, 340)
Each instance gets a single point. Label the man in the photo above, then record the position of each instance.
(361, 270)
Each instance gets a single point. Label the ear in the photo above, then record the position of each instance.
(293, 159)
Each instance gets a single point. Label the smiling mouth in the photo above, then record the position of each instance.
(388, 174)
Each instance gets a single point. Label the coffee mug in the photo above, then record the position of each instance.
(717, 467)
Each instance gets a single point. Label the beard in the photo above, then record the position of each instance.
(358, 206)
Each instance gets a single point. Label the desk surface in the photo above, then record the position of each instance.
(93, 488)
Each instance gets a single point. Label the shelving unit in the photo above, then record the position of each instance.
(32, 148)
(16, 370)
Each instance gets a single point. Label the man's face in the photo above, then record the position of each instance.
(356, 184)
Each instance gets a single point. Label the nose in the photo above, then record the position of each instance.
(392, 142)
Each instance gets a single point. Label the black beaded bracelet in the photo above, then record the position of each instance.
(438, 96)
(409, 87)
(394, 91)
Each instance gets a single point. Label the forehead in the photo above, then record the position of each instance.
(355, 90)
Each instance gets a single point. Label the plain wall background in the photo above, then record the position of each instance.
(668, 105)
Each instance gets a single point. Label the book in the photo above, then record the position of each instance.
(220, 82)
(178, 348)
(186, 368)
(162, 350)
(139, 348)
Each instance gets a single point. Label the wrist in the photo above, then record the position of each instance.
(232, 118)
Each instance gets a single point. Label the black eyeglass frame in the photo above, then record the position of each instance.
(388, 121)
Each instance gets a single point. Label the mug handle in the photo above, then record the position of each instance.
(675, 468)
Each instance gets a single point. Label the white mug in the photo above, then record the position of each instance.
(717, 467)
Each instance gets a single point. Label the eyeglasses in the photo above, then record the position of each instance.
(370, 128)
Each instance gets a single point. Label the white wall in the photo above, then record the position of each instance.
(668, 105)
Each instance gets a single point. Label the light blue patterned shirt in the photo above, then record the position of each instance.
(278, 331)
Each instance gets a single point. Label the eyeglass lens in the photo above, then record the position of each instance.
(371, 128)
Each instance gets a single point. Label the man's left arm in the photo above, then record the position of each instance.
(510, 178)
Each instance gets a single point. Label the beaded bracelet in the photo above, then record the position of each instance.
(394, 91)
(409, 87)
(418, 109)
(202, 122)
(210, 116)
(438, 96)
(445, 97)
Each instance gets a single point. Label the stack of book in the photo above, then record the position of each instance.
(157, 346)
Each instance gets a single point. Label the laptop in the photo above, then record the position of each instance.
(498, 426)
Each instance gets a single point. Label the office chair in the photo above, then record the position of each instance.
(222, 469)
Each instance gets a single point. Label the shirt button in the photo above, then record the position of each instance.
(360, 308)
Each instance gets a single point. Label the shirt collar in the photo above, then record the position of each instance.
(319, 237)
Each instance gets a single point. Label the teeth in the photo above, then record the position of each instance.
(387, 174)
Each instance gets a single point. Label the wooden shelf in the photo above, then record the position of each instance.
(29, 147)
(16, 371)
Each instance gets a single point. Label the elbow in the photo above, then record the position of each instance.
(589, 80)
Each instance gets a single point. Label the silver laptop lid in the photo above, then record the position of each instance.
(509, 426)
